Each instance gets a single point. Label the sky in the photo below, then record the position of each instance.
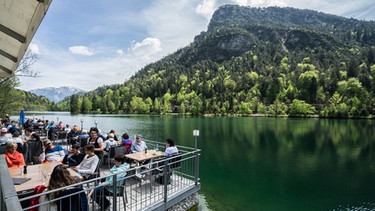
(86, 44)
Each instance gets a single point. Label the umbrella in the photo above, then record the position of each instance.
(22, 117)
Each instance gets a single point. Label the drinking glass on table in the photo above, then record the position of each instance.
(42, 172)
(21, 170)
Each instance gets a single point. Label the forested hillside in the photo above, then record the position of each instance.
(271, 61)
(13, 100)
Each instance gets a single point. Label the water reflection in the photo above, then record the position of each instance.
(267, 163)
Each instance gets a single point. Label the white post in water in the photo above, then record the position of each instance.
(196, 167)
(96, 124)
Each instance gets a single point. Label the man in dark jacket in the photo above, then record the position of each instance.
(74, 157)
(73, 135)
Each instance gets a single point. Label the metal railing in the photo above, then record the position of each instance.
(156, 186)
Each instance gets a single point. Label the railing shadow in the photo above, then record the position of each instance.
(161, 185)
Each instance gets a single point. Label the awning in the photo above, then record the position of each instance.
(19, 20)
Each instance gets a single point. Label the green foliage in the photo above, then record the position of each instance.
(9, 97)
(13, 100)
(281, 61)
(301, 108)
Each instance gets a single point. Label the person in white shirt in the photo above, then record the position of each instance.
(27, 135)
(16, 138)
(51, 153)
(138, 145)
(110, 142)
(89, 162)
(170, 149)
(4, 136)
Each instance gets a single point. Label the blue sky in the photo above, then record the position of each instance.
(90, 43)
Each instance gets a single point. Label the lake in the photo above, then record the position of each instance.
(254, 163)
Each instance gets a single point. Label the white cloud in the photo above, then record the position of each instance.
(120, 52)
(207, 8)
(148, 46)
(261, 3)
(127, 35)
(34, 48)
(81, 50)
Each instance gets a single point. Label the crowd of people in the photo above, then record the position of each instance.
(96, 147)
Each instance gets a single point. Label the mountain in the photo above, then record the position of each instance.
(272, 61)
(56, 94)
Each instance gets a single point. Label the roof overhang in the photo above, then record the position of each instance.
(19, 20)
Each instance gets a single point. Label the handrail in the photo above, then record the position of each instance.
(153, 196)
(9, 199)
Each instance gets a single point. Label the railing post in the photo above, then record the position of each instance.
(165, 172)
(114, 194)
(196, 163)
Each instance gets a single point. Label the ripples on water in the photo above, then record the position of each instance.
(203, 206)
(365, 206)
(284, 164)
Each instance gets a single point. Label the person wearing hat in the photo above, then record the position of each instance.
(138, 145)
(51, 153)
(3, 137)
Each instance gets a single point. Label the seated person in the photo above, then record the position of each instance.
(114, 135)
(126, 141)
(170, 149)
(51, 153)
(89, 162)
(74, 156)
(4, 136)
(60, 126)
(120, 169)
(82, 138)
(110, 142)
(12, 127)
(27, 135)
(13, 158)
(16, 138)
(73, 135)
(96, 140)
(60, 177)
(67, 129)
(34, 137)
(138, 145)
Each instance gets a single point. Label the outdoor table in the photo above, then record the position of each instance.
(142, 156)
(139, 157)
(39, 174)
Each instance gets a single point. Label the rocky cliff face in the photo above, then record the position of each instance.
(234, 30)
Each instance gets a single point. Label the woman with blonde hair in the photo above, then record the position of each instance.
(13, 158)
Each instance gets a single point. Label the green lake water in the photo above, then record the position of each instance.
(265, 163)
